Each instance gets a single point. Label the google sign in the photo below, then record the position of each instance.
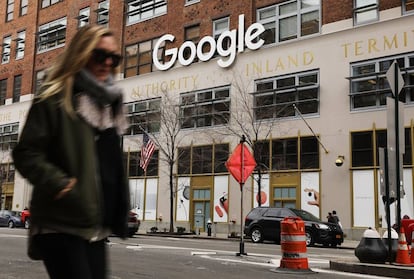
(248, 38)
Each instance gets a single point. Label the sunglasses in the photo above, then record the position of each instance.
(100, 56)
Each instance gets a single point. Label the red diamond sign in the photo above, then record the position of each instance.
(241, 163)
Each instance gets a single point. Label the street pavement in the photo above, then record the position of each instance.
(391, 270)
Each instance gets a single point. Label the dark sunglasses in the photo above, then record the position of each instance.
(100, 55)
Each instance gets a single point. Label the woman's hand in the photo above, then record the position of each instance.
(68, 187)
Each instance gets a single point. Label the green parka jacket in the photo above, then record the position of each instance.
(54, 147)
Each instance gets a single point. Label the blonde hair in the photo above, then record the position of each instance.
(60, 77)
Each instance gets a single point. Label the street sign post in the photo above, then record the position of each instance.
(241, 164)
(396, 82)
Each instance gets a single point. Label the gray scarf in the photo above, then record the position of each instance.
(99, 103)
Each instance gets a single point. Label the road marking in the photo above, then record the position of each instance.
(12, 235)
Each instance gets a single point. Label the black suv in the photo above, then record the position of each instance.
(263, 223)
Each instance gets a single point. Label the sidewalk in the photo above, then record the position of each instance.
(385, 270)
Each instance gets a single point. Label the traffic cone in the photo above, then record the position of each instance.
(402, 253)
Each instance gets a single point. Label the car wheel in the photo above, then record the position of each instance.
(310, 241)
(257, 235)
(11, 224)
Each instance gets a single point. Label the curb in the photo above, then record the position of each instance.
(373, 269)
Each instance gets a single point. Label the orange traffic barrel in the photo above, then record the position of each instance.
(293, 244)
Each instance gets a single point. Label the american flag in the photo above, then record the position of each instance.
(148, 147)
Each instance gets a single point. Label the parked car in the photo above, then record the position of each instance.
(263, 223)
(10, 219)
(133, 223)
(25, 215)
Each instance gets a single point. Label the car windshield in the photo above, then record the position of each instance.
(306, 216)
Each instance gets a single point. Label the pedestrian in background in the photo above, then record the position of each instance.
(70, 151)
(336, 218)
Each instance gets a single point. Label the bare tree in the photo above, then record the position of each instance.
(167, 140)
(243, 120)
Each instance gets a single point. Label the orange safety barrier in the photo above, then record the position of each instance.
(402, 252)
(293, 244)
(408, 225)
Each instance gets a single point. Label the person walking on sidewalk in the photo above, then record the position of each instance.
(336, 218)
(70, 151)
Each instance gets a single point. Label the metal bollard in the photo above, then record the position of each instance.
(209, 227)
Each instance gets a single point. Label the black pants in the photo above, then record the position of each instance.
(71, 257)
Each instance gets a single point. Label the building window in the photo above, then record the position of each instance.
(138, 58)
(52, 35)
(191, 33)
(144, 116)
(275, 97)
(83, 17)
(5, 54)
(139, 10)
(365, 11)
(203, 159)
(205, 108)
(103, 13)
(189, 2)
(17, 88)
(39, 78)
(3, 91)
(23, 7)
(284, 197)
(363, 146)
(135, 170)
(408, 6)
(7, 173)
(20, 44)
(289, 20)
(8, 136)
(9, 10)
(369, 87)
(47, 3)
(220, 26)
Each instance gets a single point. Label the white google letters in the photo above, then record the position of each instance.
(250, 38)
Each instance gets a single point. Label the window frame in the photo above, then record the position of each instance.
(47, 3)
(148, 111)
(368, 86)
(362, 9)
(20, 44)
(8, 136)
(137, 63)
(276, 99)
(51, 35)
(141, 10)
(9, 10)
(24, 7)
(3, 91)
(6, 49)
(84, 17)
(205, 108)
(410, 4)
(102, 13)
(17, 88)
(272, 16)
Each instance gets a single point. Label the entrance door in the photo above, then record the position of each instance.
(201, 209)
